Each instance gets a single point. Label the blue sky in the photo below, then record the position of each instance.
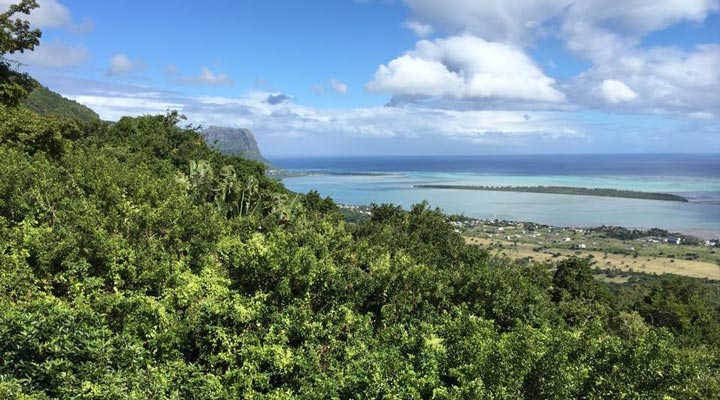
(344, 77)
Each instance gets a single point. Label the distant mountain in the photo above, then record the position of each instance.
(46, 102)
(236, 141)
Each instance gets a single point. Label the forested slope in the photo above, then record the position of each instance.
(136, 262)
(46, 102)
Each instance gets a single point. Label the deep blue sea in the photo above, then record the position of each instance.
(697, 177)
(698, 165)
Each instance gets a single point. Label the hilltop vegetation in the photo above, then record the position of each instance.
(138, 262)
(46, 102)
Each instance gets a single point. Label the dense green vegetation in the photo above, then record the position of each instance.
(16, 37)
(46, 102)
(138, 262)
(576, 191)
(621, 233)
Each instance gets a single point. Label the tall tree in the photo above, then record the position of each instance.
(16, 36)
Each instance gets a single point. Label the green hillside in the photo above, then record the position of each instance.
(46, 102)
(137, 262)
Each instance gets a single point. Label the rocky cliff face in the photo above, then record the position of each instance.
(236, 141)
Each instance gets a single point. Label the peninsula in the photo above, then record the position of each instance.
(576, 191)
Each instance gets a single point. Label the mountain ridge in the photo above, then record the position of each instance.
(234, 141)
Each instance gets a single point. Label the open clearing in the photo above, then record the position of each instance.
(657, 265)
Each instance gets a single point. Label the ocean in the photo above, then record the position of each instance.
(365, 180)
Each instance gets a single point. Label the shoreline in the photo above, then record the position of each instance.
(363, 211)
(693, 202)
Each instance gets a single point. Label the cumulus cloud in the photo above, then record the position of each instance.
(507, 21)
(637, 17)
(606, 33)
(121, 64)
(600, 30)
(465, 68)
(522, 21)
(665, 80)
(615, 92)
(338, 87)
(207, 78)
(53, 14)
(54, 54)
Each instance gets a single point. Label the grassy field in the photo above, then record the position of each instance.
(623, 262)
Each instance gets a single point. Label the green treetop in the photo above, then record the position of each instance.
(16, 36)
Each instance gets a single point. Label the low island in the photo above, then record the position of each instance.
(577, 191)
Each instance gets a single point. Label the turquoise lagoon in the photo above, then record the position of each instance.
(700, 216)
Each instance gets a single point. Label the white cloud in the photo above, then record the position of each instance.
(407, 130)
(296, 120)
(521, 21)
(640, 16)
(52, 14)
(418, 28)
(55, 54)
(665, 80)
(615, 92)
(338, 87)
(508, 21)
(207, 78)
(171, 69)
(600, 30)
(121, 64)
(607, 33)
(289, 119)
(465, 68)
(112, 108)
(412, 76)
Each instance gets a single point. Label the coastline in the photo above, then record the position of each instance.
(364, 211)
(615, 250)
(693, 212)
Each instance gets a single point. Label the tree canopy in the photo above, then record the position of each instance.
(138, 262)
(16, 36)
